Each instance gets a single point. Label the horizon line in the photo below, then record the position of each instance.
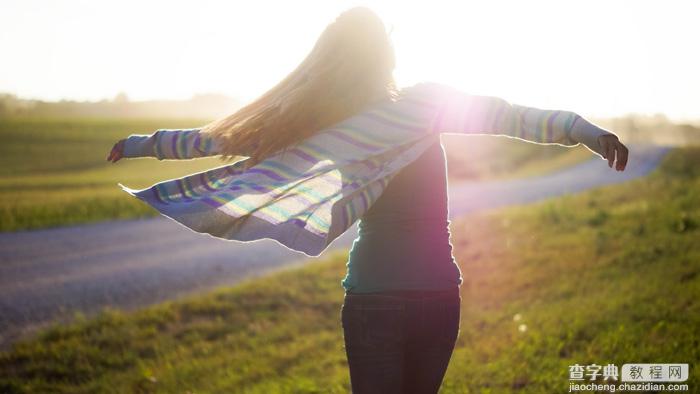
(677, 120)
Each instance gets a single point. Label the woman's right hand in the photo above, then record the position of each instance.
(117, 151)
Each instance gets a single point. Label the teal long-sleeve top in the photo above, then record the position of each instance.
(404, 238)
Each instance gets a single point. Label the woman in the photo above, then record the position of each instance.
(401, 310)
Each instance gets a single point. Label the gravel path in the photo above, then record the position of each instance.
(48, 275)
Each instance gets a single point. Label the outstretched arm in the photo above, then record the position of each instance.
(165, 144)
(461, 113)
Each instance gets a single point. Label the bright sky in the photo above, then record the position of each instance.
(598, 58)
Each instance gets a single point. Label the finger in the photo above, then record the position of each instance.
(622, 157)
(115, 153)
(610, 155)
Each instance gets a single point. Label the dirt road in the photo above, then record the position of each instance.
(47, 275)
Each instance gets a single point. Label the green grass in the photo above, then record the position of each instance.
(607, 276)
(53, 172)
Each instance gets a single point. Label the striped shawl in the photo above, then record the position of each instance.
(309, 195)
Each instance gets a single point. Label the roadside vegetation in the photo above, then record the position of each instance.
(611, 275)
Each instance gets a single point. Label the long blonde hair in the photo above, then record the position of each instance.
(349, 67)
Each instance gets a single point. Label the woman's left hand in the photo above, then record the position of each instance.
(612, 147)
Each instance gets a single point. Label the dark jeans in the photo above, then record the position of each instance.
(400, 342)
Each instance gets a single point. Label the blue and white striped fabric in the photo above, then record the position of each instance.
(308, 196)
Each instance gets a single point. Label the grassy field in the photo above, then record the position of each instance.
(53, 172)
(611, 275)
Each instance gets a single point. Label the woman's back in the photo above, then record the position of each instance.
(404, 238)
